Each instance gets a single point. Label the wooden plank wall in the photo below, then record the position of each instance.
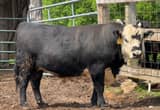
(155, 36)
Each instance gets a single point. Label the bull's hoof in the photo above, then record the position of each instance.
(25, 106)
(102, 104)
(94, 103)
(42, 105)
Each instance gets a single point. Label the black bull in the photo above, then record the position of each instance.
(66, 51)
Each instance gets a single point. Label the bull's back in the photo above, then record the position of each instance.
(33, 37)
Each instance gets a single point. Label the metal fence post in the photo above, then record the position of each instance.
(73, 20)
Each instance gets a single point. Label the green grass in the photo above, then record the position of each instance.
(142, 92)
(151, 57)
(11, 61)
(116, 90)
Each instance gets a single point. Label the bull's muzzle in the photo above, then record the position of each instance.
(137, 54)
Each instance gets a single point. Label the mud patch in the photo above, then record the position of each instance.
(69, 94)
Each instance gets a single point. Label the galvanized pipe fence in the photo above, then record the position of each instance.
(7, 42)
(48, 7)
(29, 19)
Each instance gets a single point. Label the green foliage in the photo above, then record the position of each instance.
(117, 11)
(148, 11)
(56, 12)
(142, 92)
(11, 61)
(83, 6)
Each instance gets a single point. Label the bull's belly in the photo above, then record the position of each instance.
(63, 70)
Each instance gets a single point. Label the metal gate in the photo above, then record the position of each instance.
(9, 61)
(113, 14)
(30, 18)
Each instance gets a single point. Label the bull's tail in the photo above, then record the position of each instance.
(16, 76)
(22, 67)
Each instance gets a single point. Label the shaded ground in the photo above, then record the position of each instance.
(70, 94)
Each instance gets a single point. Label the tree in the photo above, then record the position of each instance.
(35, 15)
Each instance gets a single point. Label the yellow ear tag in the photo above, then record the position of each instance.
(119, 41)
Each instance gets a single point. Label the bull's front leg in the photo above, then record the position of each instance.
(94, 98)
(97, 75)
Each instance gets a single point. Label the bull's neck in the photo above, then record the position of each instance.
(120, 54)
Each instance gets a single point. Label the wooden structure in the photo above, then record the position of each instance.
(104, 13)
(151, 75)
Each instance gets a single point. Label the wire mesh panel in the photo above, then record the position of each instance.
(148, 13)
(151, 52)
(148, 66)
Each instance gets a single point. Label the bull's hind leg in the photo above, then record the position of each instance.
(22, 74)
(23, 87)
(22, 80)
(35, 82)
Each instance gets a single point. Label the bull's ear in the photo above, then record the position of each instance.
(148, 33)
(120, 21)
(118, 35)
(139, 24)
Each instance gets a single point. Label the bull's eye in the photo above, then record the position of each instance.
(126, 40)
(137, 36)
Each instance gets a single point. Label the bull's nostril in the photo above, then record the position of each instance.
(134, 55)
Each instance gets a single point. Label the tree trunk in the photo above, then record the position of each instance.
(35, 15)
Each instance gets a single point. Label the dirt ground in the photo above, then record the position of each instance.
(69, 94)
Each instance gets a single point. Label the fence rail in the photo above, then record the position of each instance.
(7, 42)
(53, 5)
(10, 61)
(7, 51)
(7, 18)
(11, 69)
(66, 17)
(7, 30)
(7, 61)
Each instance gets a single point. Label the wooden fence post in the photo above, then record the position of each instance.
(103, 13)
(130, 13)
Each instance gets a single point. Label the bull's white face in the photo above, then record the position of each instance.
(132, 37)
